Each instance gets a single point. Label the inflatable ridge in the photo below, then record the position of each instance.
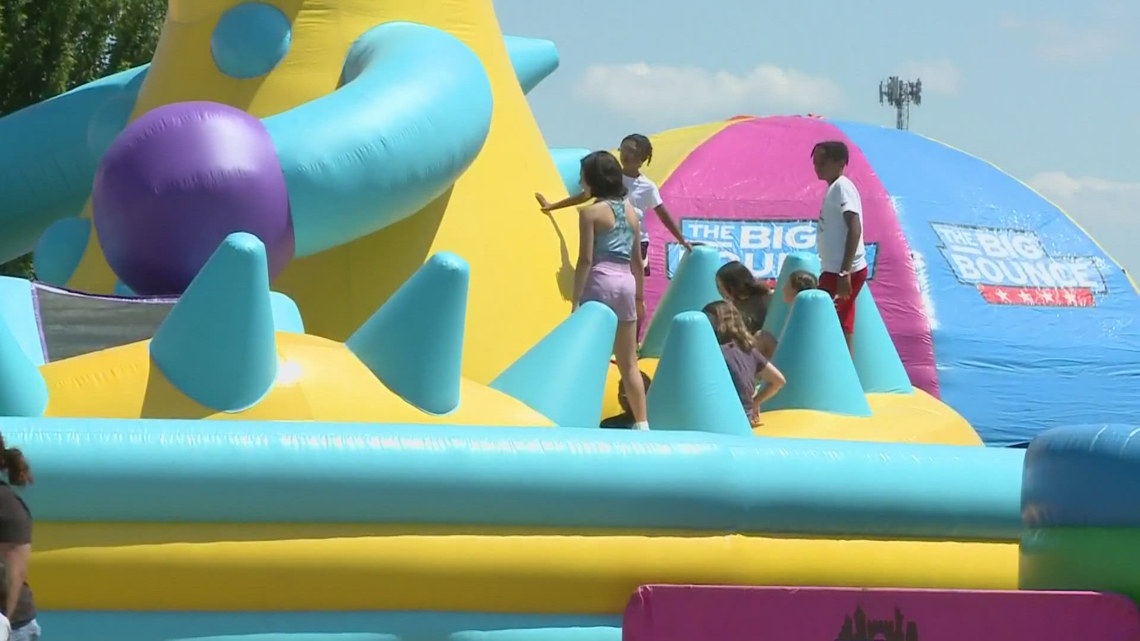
(218, 344)
(693, 389)
(693, 287)
(814, 358)
(564, 375)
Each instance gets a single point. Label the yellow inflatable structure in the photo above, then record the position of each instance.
(379, 158)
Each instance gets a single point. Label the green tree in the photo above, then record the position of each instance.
(48, 47)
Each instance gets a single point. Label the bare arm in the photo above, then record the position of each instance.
(772, 381)
(636, 260)
(854, 234)
(16, 565)
(571, 201)
(670, 224)
(585, 254)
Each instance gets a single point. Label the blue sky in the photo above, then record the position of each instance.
(1049, 90)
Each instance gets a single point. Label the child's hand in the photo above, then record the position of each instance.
(756, 422)
(542, 202)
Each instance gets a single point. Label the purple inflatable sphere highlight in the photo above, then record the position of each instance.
(176, 182)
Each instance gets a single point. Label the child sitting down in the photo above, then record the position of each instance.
(625, 419)
(798, 281)
(745, 363)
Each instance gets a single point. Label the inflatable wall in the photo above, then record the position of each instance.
(355, 138)
(998, 303)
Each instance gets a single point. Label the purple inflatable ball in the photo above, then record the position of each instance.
(176, 182)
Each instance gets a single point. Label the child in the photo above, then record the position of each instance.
(635, 151)
(738, 286)
(745, 363)
(798, 281)
(625, 419)
(842, 251)
(609, 269)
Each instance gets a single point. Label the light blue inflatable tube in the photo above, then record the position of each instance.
(197, 471)
(18, 310)
(325, 626)
(50, 153)
(411, 115)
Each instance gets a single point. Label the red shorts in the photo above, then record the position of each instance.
(829, 282)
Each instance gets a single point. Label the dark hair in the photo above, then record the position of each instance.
(12, 461)
(602, 174)
(739, 282)
(623, 401)
(834, 150)
(802, 280)
(642, 145)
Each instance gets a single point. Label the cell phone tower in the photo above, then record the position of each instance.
(900, 94)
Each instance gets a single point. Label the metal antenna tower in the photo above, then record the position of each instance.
(899, 94)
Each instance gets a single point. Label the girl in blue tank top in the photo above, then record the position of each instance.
(610, 266)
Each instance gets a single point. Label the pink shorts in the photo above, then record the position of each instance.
(612, 284)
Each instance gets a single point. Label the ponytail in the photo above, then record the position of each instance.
(13, 463)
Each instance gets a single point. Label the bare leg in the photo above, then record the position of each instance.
(625, 352)
(850, 344)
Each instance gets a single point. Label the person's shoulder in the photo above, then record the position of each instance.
(593, 208)
(643, 181)
(846, 184)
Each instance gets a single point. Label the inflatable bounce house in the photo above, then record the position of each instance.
(999, 304)
(300, 367)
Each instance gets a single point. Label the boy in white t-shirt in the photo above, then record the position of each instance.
(842, 253)
(635, 151)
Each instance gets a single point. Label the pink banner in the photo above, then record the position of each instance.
(751, 190)
(698, 613)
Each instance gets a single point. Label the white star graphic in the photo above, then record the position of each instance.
(1047, 295)
(1002, 295)
(1026, 297)
(1070, 298)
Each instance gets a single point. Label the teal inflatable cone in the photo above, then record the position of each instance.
(218, 345)
(533, 59)
(814, 359)
(692, 389)
(414, 342)
(563, 377)
(692, 287)
(20, 310)
(286, 314)
(877, 361)
(23, 392)
(777, 308)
